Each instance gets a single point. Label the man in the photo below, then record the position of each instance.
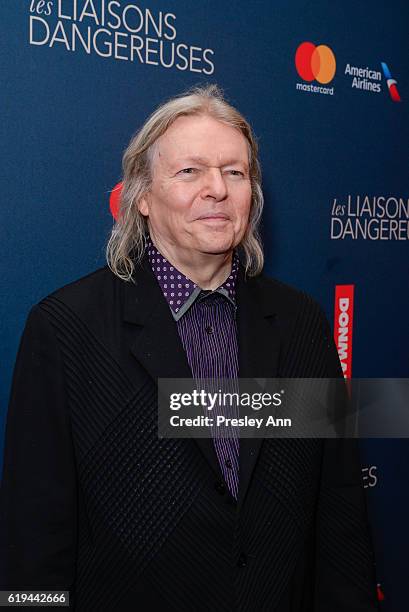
(92, 500)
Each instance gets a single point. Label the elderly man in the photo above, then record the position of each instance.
(93, 501)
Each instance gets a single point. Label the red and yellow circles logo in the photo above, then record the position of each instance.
(316, 63)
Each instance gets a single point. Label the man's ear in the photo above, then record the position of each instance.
(143, 205)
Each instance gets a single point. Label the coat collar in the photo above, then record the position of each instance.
(157, 346)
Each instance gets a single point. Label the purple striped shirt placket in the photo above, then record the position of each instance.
(206, 323)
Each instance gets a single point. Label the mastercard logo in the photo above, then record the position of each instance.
(315, 63)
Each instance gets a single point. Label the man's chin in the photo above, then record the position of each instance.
(216, 246)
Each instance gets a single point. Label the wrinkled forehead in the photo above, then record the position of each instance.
(201, 139)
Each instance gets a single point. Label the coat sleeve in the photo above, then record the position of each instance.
(345, 571)
(39, 491)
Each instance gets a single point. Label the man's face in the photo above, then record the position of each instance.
(201, 193)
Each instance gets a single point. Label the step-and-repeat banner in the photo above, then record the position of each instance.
(326, 87)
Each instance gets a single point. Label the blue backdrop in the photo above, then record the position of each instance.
(79, 77)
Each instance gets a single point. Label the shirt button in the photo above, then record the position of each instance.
(242, 560)
(209, 329)
(228, 463)
(220, 487)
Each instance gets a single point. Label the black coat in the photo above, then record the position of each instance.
(94, 502)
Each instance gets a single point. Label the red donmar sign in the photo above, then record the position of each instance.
(343, 324)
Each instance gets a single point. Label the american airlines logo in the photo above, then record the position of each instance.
(343, 324)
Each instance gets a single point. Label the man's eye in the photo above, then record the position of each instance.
(188, 171)
(236, 172)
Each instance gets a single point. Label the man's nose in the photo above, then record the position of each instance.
(214, 184)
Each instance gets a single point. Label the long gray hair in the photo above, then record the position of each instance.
(127, 242)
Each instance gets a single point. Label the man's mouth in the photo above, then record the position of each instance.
(214, 217)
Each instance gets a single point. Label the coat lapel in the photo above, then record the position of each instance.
(155, 338)
(156, 344)
(259, 346)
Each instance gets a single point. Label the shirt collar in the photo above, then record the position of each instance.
(180, 291)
